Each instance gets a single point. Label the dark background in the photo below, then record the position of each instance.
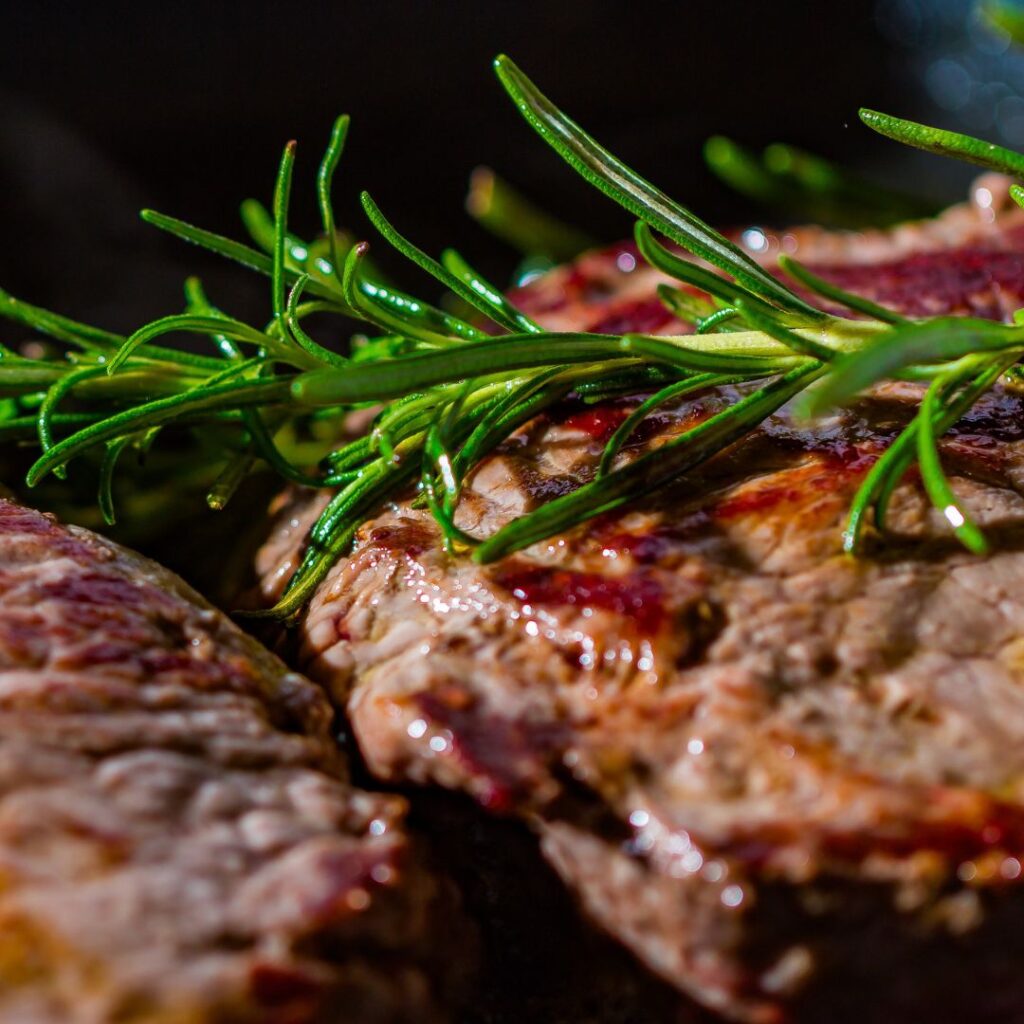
(106, 107)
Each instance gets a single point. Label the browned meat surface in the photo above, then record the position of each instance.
(967, 260)
(178, 840)
(791, 782)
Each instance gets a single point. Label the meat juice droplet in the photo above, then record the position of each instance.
(636, 597)
(600, 422)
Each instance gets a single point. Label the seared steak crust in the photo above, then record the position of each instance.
(178, 841)
(789, 780)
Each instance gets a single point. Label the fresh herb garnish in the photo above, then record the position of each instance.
(1004, 17)
(807, 187)
(450, 389)
(498, 207)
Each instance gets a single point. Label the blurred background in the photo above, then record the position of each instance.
(107, 107)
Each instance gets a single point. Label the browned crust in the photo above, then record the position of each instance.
(177, 838)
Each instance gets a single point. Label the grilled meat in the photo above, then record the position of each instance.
(790, 781)
(178, 839)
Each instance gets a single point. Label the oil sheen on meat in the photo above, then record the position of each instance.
(178, 839)
(792, 782)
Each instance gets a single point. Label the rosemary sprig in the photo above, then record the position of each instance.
(653, 470)
(1006, 18)
(946, 143)
(448, 391)
(802, 185)
(588, 158)
(513, 218)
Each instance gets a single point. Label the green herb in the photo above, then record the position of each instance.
(1005, 18)
(945, 143)
(514, 219)
(448, 391)
(809, 188)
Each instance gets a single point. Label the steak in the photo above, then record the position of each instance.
(178, 838)
(792, 782)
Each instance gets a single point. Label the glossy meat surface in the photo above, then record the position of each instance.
(790, 781)
(178, 840)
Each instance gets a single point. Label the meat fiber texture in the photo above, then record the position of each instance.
(791, 781)
(178, 840)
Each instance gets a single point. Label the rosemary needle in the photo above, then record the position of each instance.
(447, 391)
